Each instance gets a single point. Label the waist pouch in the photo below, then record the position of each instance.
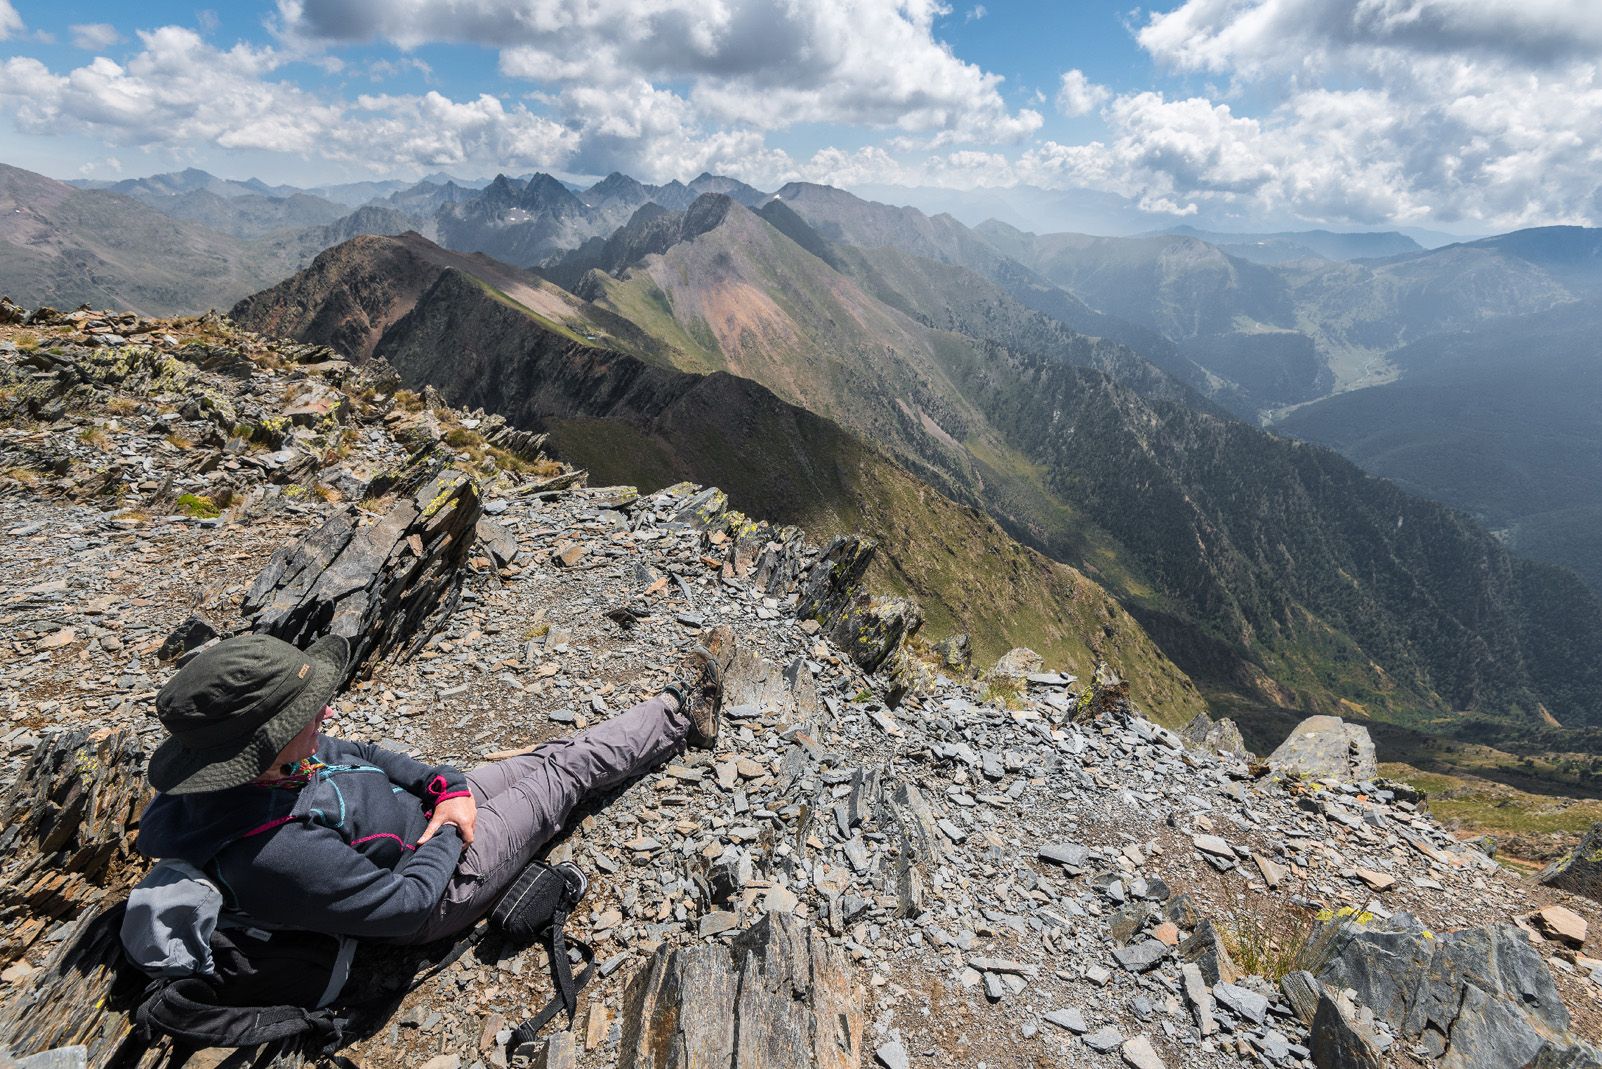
(534, 909)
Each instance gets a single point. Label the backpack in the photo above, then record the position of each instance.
(218, 980)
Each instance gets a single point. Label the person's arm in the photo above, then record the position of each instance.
(308, 877)
(432, 783)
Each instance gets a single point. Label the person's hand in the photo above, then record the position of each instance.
(462, 812)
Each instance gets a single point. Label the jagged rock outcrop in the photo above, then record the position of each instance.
(1219, 735)
(385, 585)
(1479, 998)
(64, 837)
(868, 627)
(66, 862)
(1107, 697)
(1580, 870)
(1339, 1039)
(777, 996)
(955, 652)
(1326, 747)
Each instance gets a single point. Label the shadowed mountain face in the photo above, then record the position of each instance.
(1504, 422)
(471, 328)
(1263, 566)
(651, 229)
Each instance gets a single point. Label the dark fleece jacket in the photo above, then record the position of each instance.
(336, 853)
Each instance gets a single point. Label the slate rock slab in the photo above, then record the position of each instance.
(1483, 995)
(794, 996)
(1579, 871)
(386, 585)
(1326, 747)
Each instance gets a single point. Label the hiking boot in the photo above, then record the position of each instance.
(699, 686)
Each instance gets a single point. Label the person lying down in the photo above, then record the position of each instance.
(306, 831)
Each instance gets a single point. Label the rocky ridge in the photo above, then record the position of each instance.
(1010, 869)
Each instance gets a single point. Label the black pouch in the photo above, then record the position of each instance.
(539, 899)
(533, 909)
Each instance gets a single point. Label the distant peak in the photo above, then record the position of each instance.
(705, 213)
(616, 184)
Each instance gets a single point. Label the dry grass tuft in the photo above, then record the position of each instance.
(1270, 937)
(1009, 690)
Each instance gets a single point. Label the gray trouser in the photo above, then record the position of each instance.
(524, 801)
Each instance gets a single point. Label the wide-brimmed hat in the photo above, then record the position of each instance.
(235, 706)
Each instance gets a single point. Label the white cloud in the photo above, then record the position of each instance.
(975, 13)
(181, 92)
(1341, 111)
(767, 64)
(382, 69)
(1386, 111)
(1250, 36)
(10, 21)
(1079, 95)
(94, 36)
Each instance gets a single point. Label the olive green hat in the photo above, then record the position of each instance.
(236, 705)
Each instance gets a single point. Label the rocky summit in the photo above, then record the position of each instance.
(889, 860)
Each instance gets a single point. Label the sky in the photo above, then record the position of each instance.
(1465, 115)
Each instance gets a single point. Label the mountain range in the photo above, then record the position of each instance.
(1270, 572)
(66, 246)
(492, 336)
(1085, 408)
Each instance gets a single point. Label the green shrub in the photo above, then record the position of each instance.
(198, 506)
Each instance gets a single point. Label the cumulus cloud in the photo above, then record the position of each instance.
(10, 21)
(767, 64)
(1079, 95)
(1388, 110)
(94, 36)
(181, 92)
(1249, 36)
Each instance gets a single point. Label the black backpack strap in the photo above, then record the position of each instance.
(188, 1009)
(465, 942)
(561, 968)
(567, 986)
